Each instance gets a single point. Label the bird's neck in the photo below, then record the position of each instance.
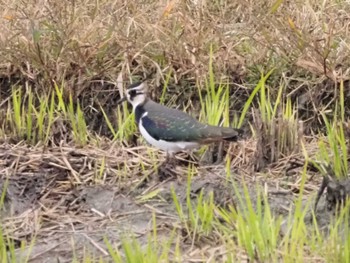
(139, 111)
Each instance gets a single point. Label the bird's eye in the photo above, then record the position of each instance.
(132, 93)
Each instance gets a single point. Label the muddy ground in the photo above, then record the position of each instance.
(58, 197)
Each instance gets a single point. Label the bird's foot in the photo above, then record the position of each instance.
(188, 158)
(214, 155)
(167, 170)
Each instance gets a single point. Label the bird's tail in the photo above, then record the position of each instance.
(222, 133)
(231, 135)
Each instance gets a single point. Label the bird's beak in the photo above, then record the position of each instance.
(121, 100)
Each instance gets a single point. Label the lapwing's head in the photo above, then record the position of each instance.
(136, 94)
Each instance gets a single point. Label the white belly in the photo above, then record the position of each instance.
(170, 147)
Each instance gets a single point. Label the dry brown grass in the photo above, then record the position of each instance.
(85, 45)
(58, 193)
(80, 41)
(58, 198)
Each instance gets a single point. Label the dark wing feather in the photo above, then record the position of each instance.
(168, 124)
(163, 126)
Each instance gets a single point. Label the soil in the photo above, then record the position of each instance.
(53, 196)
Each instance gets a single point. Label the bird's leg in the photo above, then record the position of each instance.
(214, 154)
(220, 153)
(167, 168)
(170, 159)
(167, 157)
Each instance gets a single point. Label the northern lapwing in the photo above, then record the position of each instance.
(169, 129)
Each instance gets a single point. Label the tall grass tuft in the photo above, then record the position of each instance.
(31, 116)
(333, 149)
(215, 105)
(276, 126)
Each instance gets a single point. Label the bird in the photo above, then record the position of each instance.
(169, 129)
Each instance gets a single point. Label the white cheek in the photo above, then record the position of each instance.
(137, 101)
